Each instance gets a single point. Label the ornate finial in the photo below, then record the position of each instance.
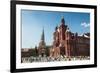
(62, 17)
(63, 20)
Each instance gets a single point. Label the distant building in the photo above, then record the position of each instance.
(67, 43)
(42, 45)
(37, 51)
(27, 52)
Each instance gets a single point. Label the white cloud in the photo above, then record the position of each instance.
(84, 24)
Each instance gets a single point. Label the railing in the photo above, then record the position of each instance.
(51, 59)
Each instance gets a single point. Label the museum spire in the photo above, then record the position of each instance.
(62, 21)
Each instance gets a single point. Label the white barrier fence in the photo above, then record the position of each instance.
(50, 59)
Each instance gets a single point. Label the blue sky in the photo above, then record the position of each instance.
(33, 22)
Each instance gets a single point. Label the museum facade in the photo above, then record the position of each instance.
(67, 43)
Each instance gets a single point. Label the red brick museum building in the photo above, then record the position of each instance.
(66, 43)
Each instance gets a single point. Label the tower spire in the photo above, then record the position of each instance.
(42, 37)
(42, 44)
